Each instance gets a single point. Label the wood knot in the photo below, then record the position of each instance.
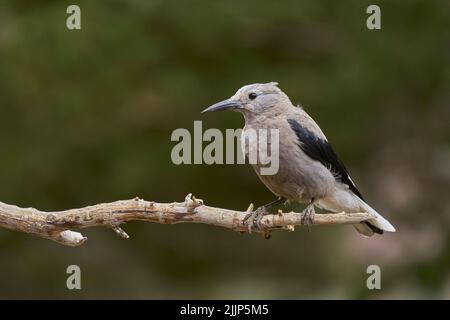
(51, 218)
(72, 220)
(191, 202)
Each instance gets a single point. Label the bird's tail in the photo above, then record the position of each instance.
(376, 225)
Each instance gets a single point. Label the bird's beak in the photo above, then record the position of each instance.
(223, 105)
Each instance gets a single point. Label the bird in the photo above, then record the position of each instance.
(310, 171)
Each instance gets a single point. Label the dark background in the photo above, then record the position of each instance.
(86, 117)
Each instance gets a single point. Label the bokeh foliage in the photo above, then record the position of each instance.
(86, 117)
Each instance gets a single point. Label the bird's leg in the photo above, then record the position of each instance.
(308, 214)
(260, 212)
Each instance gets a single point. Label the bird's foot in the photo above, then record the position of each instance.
(253, 219)
(308, 215)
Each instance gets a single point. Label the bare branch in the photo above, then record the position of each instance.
(55, 225)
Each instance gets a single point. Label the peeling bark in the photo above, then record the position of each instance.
(56, 225)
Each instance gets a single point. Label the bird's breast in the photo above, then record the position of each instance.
(298, 177)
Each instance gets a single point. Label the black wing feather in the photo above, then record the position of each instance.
(320, 150)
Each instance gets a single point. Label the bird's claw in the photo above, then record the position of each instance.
(308, 216)
(255, 218)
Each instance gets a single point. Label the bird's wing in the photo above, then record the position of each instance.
(313, 142)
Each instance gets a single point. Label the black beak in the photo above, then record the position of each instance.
(223, 105)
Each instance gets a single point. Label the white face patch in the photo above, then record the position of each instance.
(258, 88)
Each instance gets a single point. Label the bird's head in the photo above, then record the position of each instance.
(254, 99)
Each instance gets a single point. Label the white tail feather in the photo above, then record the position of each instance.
(378, 221)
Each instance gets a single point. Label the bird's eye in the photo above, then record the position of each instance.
(252, 96)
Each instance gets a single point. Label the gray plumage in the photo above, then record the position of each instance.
(309, 170)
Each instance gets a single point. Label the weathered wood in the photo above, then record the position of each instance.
(56, 225)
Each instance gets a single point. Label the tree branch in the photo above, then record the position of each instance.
(55, 225)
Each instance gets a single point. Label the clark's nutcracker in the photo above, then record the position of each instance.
(309, 170)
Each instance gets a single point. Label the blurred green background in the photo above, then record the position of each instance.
(86, 117)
